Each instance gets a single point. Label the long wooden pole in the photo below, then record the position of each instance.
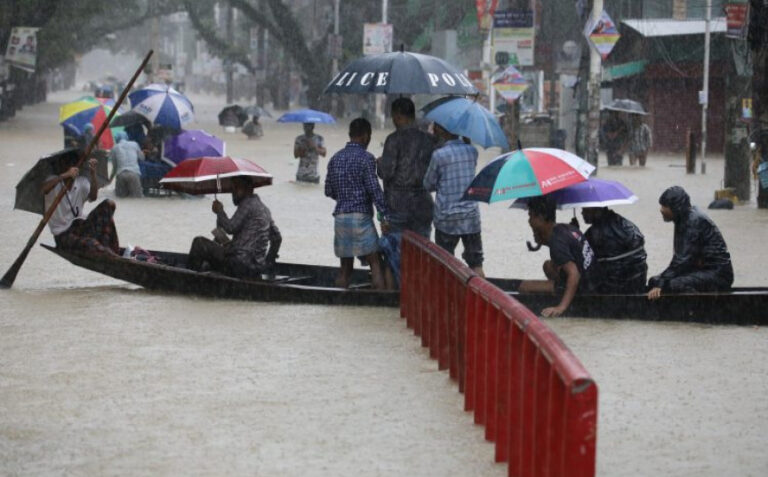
(10, 275)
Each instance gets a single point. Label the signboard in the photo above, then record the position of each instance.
(22, 48)
(377, 38)
(736, 19)
(510, 83)
(335, 43)
(602, 34)
(485, 11)
(513, 33)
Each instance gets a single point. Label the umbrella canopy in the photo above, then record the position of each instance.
(467, 118)
(527, 173)
(190, 144)
(401, 72)
(29, 190)
(162, 105)
(212, 175)
(625, 106)
(76, 115)
(130, 118)
(591, 193)
(233, 115)
(257, 111)
(306, 116)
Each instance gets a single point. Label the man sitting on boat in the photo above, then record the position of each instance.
(571, 262)
(701, 261)
(71, 229)
(619, 248)
(255, 237)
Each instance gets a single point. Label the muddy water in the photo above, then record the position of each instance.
(97, 376)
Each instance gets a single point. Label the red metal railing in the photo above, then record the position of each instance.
(535, 399)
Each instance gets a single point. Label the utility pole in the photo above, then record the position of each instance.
(335, 53)
(704, 94)
(758, 43)
(379, 101)
(595, 77)
(229, 65)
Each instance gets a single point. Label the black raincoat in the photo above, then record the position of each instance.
(701, 261)
(619, 247)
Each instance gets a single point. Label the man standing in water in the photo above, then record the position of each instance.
(307, 148)
(255, 237)
(571, 258)
(402, 165)
(351, 181)
(701, 261)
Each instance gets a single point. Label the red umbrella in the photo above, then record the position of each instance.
(212, 175)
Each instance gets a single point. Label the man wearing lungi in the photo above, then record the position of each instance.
(351, 181)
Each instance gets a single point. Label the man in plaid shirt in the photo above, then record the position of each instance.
(450, 172)
(351, 181)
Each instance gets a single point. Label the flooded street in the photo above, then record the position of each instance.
(101, 377)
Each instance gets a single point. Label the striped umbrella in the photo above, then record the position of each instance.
(76, 115)
(162, 105)
(527, 173)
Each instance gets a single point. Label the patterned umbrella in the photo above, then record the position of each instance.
(213, 175)
(76, 115)
(162, 105)
(527, 173)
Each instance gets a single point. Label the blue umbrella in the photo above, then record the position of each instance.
(467, 118)
(306, 116)
(162, 105)
(591, 193)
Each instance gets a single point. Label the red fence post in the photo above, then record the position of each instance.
(502, 430)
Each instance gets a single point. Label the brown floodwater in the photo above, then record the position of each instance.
(101, 377)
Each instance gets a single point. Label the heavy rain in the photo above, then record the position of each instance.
(220, 220)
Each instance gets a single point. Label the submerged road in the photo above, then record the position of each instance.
(99, 377)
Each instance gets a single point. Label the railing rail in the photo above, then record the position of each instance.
(537, 402)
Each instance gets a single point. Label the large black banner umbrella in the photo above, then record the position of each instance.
(401, 72)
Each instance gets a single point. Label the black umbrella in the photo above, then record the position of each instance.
(625, 106)
(233, 115)
(401, 72)
(130, 118)
(29, 190)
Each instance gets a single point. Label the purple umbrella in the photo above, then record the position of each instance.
(590, 193)
(190, 144)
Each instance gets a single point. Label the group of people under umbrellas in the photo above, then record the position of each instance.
(608, 258)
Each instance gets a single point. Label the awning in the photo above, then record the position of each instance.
(668, 27)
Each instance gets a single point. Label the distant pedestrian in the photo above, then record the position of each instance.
(450, 172)
(125, 157)
(615, 136)
(253, 129)
(308, 148)
(640, 141)
(351, 181)
(402, 165)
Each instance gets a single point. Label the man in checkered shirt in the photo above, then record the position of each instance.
(450, 172)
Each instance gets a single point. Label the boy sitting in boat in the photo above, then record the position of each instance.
(701, 261)
(619, 248)
(571, 258)
(255, 237)
(351, 181)
(71, 229)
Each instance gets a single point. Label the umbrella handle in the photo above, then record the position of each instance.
(218, 188)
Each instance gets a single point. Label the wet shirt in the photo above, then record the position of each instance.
(308, 162)
(252, 229)
(71, 205)
(450, 172)
(403, 163)
(567, 244)
(125, 156)
(640, 139)
(351, 181)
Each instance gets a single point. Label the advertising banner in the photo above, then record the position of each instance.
(485, 11)
(602, 34)
(510, 83)
(377, 38)
(514, 34)
(22, 48)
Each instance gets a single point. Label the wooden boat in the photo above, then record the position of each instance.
(314, 284)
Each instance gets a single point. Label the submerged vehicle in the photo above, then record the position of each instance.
(314, 284)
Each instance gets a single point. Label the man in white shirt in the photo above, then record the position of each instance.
(71, 229)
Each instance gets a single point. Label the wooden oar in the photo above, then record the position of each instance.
(10, 275)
